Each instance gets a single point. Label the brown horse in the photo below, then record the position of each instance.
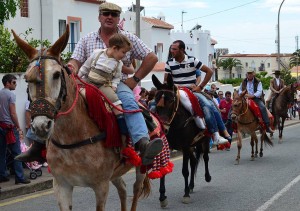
(181, 135)
(75, 151)
(248, 123)
(280, 107)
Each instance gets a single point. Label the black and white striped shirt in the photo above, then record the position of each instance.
(184, 73)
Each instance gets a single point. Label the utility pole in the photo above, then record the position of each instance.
(278, 37)
(182, 12)
(297, 39)
(138, 16)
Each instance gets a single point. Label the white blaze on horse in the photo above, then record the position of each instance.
(75, 149)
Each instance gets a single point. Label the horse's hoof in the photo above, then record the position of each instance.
(261, 154)
(252, 158)
(256, 155)
(186, 200)
(208, 178)
(191, 190)
(164, 203)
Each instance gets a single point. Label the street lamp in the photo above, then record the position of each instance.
(278, 37)
(182, 12)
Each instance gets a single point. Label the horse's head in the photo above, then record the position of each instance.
(46, 83)
(238, 104)
(166, 99)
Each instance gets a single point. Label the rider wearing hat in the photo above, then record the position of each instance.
(276, 86)
(254, 89)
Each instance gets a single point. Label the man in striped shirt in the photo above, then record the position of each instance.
(183, 70)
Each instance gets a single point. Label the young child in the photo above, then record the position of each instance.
(103, 69)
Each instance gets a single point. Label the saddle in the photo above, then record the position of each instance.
(256, 111)
(100, 111)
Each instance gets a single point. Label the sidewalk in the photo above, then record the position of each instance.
(9, 189)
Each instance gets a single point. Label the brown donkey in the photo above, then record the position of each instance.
(248, 123)
(75, 150)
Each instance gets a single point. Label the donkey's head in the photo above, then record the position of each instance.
(46, 83)
(238, 104)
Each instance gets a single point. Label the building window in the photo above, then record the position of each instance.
(269, 65)
(24, 8)
(246, 64)
(239, 75)
(61, 27)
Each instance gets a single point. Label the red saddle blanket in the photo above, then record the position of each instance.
(194, 101)
(256, 111)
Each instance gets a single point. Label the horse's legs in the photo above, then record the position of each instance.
(256, 147)
(262, 138)
(193, 164)
(101, 192)
(63, 193)
(281, 129)
(252, 148)
(205, 147)
(239, 146)
(162, 190)
(185, 173)
(121, 187)
(137, 188)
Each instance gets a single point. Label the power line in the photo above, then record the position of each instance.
(232, 8)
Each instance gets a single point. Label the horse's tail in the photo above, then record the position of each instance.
(146, 190)
(267, 140)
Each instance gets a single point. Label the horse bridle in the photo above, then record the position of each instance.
(176, 98)
(41, 106)
(243, 113)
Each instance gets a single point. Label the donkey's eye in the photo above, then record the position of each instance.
(56, 75)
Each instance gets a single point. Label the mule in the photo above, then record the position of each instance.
(181, 131)
(75, 149)
(248, 123)
(280, 106)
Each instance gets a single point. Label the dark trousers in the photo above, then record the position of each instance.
(263, 111)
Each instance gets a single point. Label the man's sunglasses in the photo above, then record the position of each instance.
(112, 14)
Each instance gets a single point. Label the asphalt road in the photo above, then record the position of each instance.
(268, 183)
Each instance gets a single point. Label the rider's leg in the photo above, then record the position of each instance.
(210, 119)
(137, 127)
(268, 101)
(264, 113)
(185, 101)
(219, 121)
(34, 153)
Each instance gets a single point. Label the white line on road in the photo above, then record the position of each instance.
(279, 194)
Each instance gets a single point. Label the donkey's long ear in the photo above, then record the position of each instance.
(30, 52)
(156, 82)
(170, 81)
(243, 93)
(60, 44)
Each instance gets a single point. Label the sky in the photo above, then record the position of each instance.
(242, 26)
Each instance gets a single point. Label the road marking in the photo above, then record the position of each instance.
(278, 195)
(26, 198)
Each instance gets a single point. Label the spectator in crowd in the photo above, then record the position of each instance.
(225, 107)
(144, 97)
(220, 96)
(10, 131)
(151, 99)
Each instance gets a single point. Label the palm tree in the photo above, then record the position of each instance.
(295, 59)
(229, 63)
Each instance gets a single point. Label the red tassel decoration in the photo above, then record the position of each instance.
(155, 175)
(131, 156)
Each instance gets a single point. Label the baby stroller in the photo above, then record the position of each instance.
(34, 167)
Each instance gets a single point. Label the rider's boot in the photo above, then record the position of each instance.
(34, 153)
(149, 149)
(269, 129)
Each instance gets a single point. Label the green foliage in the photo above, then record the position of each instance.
(265, 80)
(8, 9)
(229, 64)
(287, 77)
(66, 57)
(12, 57)
(295, 59)
(233, 81)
